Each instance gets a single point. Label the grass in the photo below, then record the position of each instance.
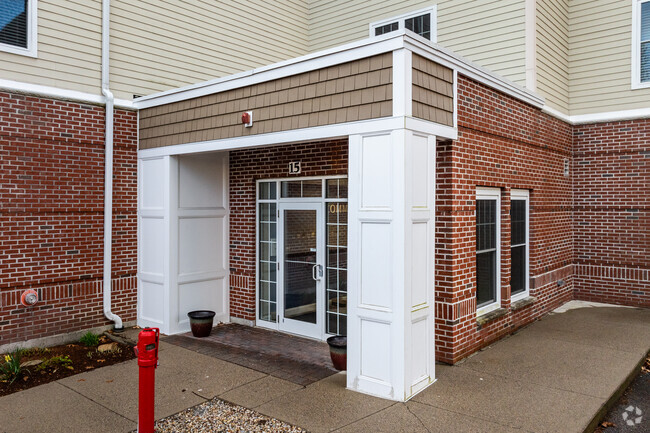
(89, 339)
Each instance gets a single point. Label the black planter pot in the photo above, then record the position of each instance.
(339, 351)
(201, 322)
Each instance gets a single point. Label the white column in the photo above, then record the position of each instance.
(182, 239)
(390, 281)
(154, 186)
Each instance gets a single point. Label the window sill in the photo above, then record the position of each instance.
(490, 316)
(523, 303)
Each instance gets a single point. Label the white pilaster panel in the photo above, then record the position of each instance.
(199, 238)
(390, 282)
(153, 242)
(376, 243)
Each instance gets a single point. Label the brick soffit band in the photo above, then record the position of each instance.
(403, 39)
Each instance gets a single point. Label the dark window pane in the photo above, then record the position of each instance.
(518, 269)
(13, 22)
(420, 25)
(485, 278)
(518, 222)
(386, 28)
(485, 224)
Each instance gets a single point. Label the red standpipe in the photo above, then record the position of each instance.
(147, 353)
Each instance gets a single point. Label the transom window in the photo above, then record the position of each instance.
(422, 22)
(488, 254)
(519, 234)
(18, 26)
(641, 44)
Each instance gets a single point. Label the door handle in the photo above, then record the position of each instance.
(317, 272)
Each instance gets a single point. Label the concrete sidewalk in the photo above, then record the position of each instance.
(553, 376)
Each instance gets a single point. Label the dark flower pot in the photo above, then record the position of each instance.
(201, 322)
(339, 351)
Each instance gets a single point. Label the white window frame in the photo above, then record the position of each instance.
(322, 199)
(636, 45)
(524, 195)
(32, 34)
(492, 194)
(432, 10)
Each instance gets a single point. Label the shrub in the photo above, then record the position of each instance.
(54, 362)
(10, 369)
(89, 339)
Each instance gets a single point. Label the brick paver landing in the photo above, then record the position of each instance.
(287, 357)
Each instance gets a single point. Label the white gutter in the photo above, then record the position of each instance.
(108, 169)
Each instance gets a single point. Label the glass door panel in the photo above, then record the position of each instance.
(301, 268)
(299, 261)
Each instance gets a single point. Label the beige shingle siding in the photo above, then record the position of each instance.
(553, 53)
(357, 90)
(600, 58)
(159, 45)
(433, 91)
(69, 48)
(490, 33)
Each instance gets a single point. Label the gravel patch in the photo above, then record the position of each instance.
(222, 417)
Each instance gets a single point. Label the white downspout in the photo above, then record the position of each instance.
(108, 169)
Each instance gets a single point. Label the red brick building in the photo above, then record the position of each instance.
(390, 191)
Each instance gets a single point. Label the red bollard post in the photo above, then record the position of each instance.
(147, 353)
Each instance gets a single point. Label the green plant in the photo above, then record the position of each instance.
(54, 362)
(89, 339)
(10, 369)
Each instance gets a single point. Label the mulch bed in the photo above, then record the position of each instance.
(81, 359)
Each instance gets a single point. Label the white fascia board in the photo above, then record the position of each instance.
(447, 58)
(58, 93)
(322, 59)
(609, 116)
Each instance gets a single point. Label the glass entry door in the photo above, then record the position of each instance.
(301, 269)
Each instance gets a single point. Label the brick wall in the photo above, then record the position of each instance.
(246, 167)
(612, 216)
(504, 144)
(51, 215)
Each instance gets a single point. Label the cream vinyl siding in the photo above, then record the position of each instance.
(600, 58)
(159, 45)
(490, 33)
(553, 53)
(69, 48)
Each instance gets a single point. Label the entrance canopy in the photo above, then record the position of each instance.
(391, 97)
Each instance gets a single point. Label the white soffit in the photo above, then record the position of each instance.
(345, 53)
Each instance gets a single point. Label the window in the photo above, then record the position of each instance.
(422, 22)
(18, 27)
(519, 234)
(641, 44)
(488, 253)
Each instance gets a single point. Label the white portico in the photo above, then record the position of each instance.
(392, 97)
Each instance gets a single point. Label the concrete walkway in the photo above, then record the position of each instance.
(553, 376)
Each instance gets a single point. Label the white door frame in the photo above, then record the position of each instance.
(316, 330)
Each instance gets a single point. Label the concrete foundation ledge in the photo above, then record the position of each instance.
(56, 340)
(523, 303)
(492, 315)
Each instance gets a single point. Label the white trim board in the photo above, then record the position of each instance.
(384, 124)
(357, 50)
(609, 116)
(62, 94)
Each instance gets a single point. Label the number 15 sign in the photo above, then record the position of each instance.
(294, 167)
